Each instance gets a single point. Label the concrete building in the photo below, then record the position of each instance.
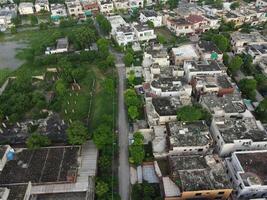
(75, 9)
(203, 68)
(135, 4)
(26, 8)
(257, 52)
(196, 177)
(143, 32)
(62, 46)
(160, 110)
(247, 172)
(261, 3)
(228, 105)
(124, 35)
(240, 40)
(90, 8)
(184, 52)
(238, 134)
(7, 13)
(58, 11)
(106, 6)
(152, 16)
(121, 4)
(116, 21)
(159, 56)
(188, 138)
(41, 5)
(16, 192)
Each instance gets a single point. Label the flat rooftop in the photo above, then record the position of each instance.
(46, 165)
(195, 173)
(183, 134)
(17, 192)
(188, 50)
(249, 37)
(211, 65)
(237, 129)
(169, 84)
(62, 43)
(254, 166)
(221, 81)
(229, 103)
(149, 13)
(166, 106)
(142, 27)
(208, 46)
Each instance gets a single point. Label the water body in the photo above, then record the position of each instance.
(8, 51)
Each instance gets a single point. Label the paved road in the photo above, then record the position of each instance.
(124, 169)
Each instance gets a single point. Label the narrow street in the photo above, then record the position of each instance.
(124, 169)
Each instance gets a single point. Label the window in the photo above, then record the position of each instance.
(220, 193)
(198, 194)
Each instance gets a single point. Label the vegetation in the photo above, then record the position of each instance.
(173, 4)
(192, 113)
(77, 133)
(248, 88)
(128, 59)
(235, 64)
(261, 110)
(101, 189)
(234, 5)
(36, 141)
(133, 103)
(145, 191)
(104, 24)
(137, 152)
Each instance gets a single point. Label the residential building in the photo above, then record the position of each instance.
(26, 8)
(184, 52)
(202, 68)
(188, 138)
(160, 110)
(51, 171)
(261, 3)
(106, 6)
(240, 40)
(143, 32)
(75, 8)
(121, 4)
(209, 51)
(263, 66)
(58, 11)
(247, 171)
(218, 83)
(90, 8)
(124, 35)
(135, 4)
(116, 21)
(152, 16)
(170, 86)
(257, 52)
(159, 56)
(41, 5)
(6, 14)
(16, 192)
(235, 17)
(238, 134)
(228, 105)
(61, 47)
(196, 177)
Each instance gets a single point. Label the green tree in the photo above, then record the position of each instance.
(161, 39)
(192, 113)
(104, 24)
(225, 59)
(131, 98)
(16, 20)
(43, 26)
(261, 82)
(34, 20)
(102, 136)
(150, 24)
(235, 64)
(131, 77)
(36, 141)
(248, 87)
(128, 59)
(77, 133)
(247, 65)
(173, 4)
(221, 41)
(61, 88)
(105, 162)
(137, 152)
(101, 189)
(261, 110)
(110, 61)
(234, 5)
(83, 37)
(103, 48)
(133, 112)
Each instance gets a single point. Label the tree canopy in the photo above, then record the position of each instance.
(248, 87)
(234, 5)
(235, 64)
(101, 189)
(77, 133)
(102, 136)
(192, 113)
(83, 37)
(128, 59)
(261, 110)
(137, 152)
(36, 141)
(104, 24)
(173, 3)
(221, 41)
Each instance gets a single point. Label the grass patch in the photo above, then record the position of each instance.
(4, 73)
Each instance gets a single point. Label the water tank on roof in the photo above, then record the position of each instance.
(10, 154)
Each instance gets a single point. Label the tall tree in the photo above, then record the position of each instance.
(137, 152)
(83, 37)
(248, 87)
(235, 64)
(128, 59)
(221, 41)
(102, 136)
(104, 24)
(36, 141)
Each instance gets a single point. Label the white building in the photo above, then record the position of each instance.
(41, 5)
(159, 56)
(247, 171)
(58, 11)
(116, 21)
(257, 52)
(261, 3)
(6, 14)
(144, 33)
(150, 15)
(238, 134)
(184, 52)
(26, 8)
(193, 68)
(106, 6)
(136, 4)
(121, 4)
(240, 40)
(61, 47)
(75, 8)
(124, 35)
